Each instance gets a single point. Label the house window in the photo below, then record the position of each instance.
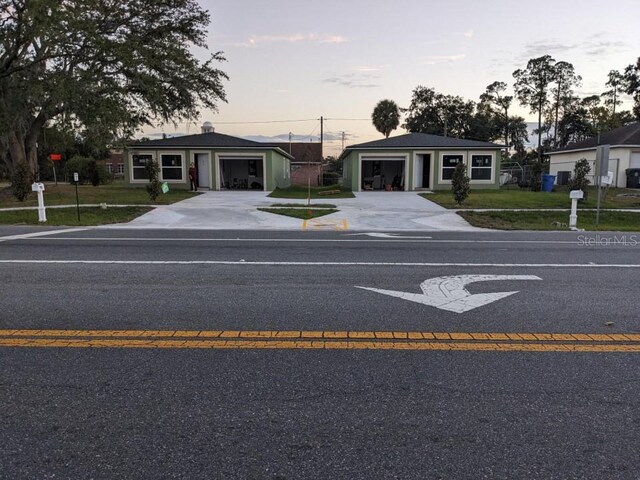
(139, 166)
(171, 165)
(449, 163)
(121, 168)
(109, 167)
(481, 167)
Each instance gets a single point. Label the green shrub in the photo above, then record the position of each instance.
(579, 180)
(460, 183)
(89, 171)
(537, 169)
(154, 189)
(21, 182)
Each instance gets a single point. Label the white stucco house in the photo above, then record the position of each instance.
(624, 153)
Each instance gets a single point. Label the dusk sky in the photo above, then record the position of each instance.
(292, 60)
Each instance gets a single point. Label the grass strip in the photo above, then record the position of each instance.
(116, 194)
(303, 205)
(303, 214)
(523, 220)
(69, 217)
(300, 192)
(516, 198)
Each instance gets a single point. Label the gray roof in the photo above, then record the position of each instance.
(627, 135)
(208, 140)
(424, 140)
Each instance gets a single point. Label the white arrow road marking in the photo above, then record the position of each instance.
(449, 293)
(383, 235)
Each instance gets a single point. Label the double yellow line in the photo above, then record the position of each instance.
(318, 340)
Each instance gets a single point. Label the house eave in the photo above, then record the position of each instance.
(585, 149)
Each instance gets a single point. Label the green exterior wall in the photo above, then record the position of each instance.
(352, 174)
(277, 168)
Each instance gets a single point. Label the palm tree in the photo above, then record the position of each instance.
(386, 117)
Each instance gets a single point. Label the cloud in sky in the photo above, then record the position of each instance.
(594, 47)
(467, 34)
(297, 37)
(358, 79)
(435, 59)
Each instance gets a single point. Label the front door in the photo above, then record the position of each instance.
(203, 170)
(426, 170)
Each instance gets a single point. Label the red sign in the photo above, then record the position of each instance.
(55, 157)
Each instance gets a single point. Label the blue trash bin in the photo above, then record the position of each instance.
(547, 182)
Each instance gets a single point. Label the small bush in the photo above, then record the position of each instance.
(154, 189)
(21, 182)
(89, 171)
(460, 183)
(331, 178)
(536, 176)
(579, 180)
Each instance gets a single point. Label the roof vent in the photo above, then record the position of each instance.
(207, 127)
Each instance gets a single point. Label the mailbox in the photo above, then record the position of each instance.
(576, 194)
(37, 187)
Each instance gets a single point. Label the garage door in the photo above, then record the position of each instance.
(241, 173)
(383, 173)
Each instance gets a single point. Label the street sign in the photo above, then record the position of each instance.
(448, 293)
(55, 157)
(602, 160)
(75, 176)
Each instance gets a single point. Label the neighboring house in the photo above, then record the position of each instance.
(624, 153)
(418, 161)
(115, 164)
(223, 162)
(306, 164)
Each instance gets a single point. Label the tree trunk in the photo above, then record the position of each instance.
(17, 152)
(540, 132)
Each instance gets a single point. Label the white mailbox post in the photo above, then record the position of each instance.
(574, 195)
(39, 188)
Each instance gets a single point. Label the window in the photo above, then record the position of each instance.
(449, 163)
(481, 167)
(121, 168)
(171, 165)
(109, 167)
(139, 166)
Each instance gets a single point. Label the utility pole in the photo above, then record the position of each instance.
(290, 135)
(321, 135)
(343, 140)
(321, 150)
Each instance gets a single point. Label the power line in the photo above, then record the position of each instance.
(268, 121)
(350, 119)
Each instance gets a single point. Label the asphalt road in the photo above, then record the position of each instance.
(388, 409)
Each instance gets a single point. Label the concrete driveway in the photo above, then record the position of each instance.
(375, 211)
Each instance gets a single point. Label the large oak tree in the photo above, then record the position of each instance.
(101, 67)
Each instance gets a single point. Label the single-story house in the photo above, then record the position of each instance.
(419, 161)
(624, 153)
(306, 164)
(223, 162)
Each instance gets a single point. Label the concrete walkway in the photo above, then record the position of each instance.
(375, 211)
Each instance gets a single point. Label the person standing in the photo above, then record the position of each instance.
(193, 177)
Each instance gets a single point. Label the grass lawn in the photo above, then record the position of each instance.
(302, 213)
(300, 192)
(69, 217)
(517, 198)
(304, 205)
(116, 194)
(609, 221)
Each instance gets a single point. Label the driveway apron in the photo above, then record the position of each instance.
(375, 211)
